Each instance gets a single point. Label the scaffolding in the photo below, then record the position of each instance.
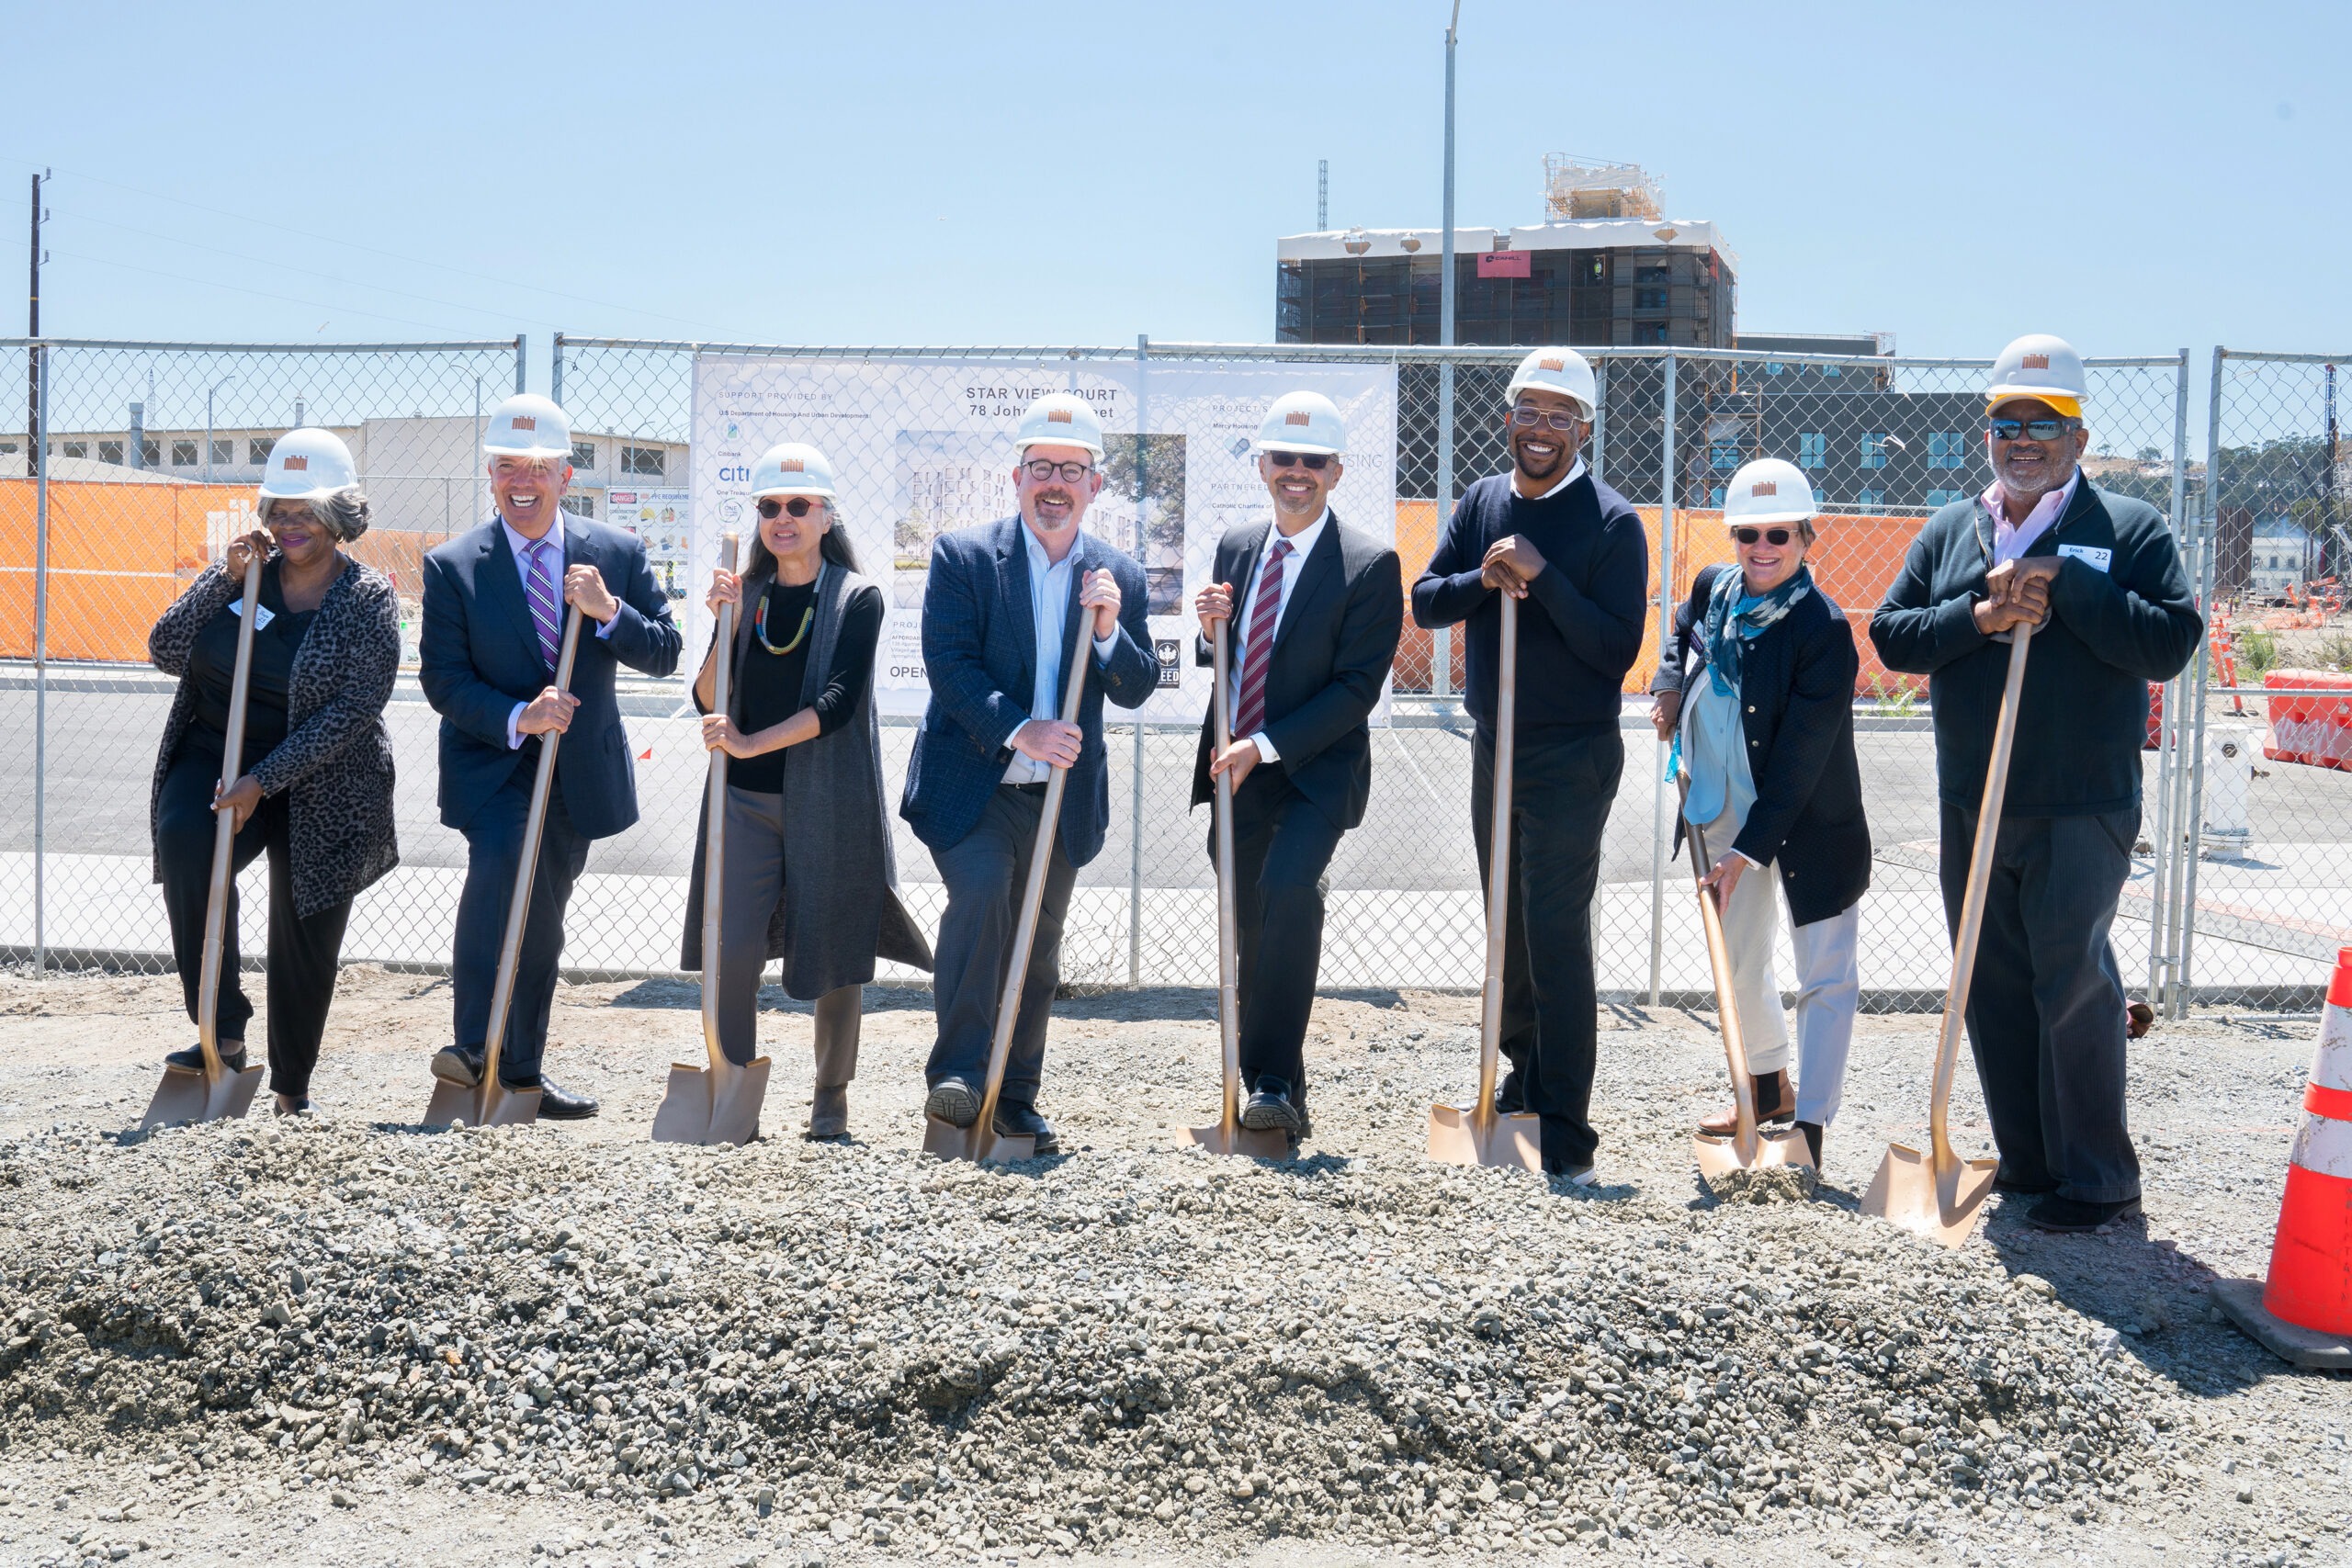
(1576, 187)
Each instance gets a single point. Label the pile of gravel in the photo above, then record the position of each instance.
(877, 1347)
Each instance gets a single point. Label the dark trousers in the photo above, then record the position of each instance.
(986, 875)
(2045, 1004)
(302, 949)
(1281, 845)
(493, 851)
(1563, 781)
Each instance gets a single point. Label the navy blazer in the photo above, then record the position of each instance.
(1333, 649)
(980, 643)
(1796, 696)
(480, 656)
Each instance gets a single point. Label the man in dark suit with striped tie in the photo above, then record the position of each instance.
(493, 628)
(1322, 605)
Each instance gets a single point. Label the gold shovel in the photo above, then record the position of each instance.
(216, 1094)
(719, 1103)
(1938, 1194)
(490, 1104)
(1481, 1135)
(1228, 1136)
(1748, 1148)
(979, 1141)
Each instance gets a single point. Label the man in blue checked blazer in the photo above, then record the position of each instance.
(494, 602)
(1006, 606)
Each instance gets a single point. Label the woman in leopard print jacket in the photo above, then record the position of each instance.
(315, 787)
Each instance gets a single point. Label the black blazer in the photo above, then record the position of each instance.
(1332, 652)
(1797, 698)
(480, 656)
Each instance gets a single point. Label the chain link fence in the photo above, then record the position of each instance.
(1884, 440)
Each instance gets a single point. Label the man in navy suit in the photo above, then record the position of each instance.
(494, 625)
(1002, 612)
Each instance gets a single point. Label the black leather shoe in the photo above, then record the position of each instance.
(459, 1065)
(192, 1059)
(1014, 1119)
(556, 1103)
(1511, 1094)
(1269, 1110)
(954, 1102)
(2069, 1215)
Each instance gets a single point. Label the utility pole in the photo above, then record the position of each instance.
(1322, 195)
(32, 328)
(1441, 642)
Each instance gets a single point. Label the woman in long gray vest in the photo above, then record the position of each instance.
(810, 877)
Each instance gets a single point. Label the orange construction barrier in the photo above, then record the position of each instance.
(2311, 1256)
(2307, 728)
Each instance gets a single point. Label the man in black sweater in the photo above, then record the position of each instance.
(1572, 552)
(2098, 577)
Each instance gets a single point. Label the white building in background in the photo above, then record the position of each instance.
(2284, 557)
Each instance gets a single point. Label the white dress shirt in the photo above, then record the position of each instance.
(1049, 596)
(1302, 544)
(1576, 472)
(522, 549)
(2011, 541)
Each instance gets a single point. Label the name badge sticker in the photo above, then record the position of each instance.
(2098, 558)
(262, 616)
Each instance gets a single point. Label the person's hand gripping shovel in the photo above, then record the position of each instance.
(490, 1104)
(1226, 1136)
(980, 1141)
(1749, 1148)
(1938, 1194)
(1480, 1135)
(217, 1094)
(719, 1103)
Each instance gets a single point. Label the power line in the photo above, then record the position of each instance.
(257, 293)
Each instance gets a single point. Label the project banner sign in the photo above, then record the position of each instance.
(920, 449)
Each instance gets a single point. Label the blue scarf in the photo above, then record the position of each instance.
(1734, 617)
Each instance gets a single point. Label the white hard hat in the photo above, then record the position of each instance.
(305, 465)
(792, 468)
(1562, 371)
(1059, 419)
(529, 426)
(1303, 422)
(1768, 490)
(2040, 366)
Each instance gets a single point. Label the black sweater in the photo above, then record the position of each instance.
(2084, 713)
(1580, 624)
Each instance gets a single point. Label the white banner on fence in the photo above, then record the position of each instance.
(919, 448)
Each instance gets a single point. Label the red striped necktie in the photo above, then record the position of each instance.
(1265, 609)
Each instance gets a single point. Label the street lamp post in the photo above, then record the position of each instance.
(1441, 641)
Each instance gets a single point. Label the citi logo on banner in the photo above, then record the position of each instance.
(2037, 362)
(298, 465)
(1764, 487)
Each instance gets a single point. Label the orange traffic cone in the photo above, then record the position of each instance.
(2304, 1313)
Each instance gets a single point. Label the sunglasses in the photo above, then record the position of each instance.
(1041, 470)
(1315, 460)
(1770, 535)
(798, 506)
(1527, 416)
(2032, 429)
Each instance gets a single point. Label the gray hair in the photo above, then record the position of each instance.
(343, 513)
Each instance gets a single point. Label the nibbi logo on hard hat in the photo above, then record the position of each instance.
(1551, 365)
(298, 465)
(526, 421)
(1058, 416)
(792, 466)
(2037, 362)
(1296, 416)
(1764, 487)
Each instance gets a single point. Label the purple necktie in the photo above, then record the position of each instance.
(545, 600)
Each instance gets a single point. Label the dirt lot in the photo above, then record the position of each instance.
(1822, 1371)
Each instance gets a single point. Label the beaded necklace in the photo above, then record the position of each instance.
(760, 627)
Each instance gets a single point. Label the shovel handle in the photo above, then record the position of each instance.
(1490, 1012)
(224, 831)
(1971, 904)
(714, 861)
(1033, 896)
(1743, 1092)
(1229, 962)
(518, 906)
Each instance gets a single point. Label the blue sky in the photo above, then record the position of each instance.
(2134, 176)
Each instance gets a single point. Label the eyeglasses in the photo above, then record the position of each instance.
(1770, 535)
(1527, 416)
(798, 506)
(1041, 470)
(2032, 429)
(1315, 460)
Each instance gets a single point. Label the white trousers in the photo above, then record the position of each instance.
(1828, 984)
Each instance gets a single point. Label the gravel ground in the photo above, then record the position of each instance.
(344, 1340)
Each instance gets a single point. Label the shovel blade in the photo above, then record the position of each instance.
(1456, 1139)
(1906, 1191)
(190, 1096)
(1250, 1143)
(1720, 1156)
(735, 1104)
(974, 1143)
(484, 1105)
(683, 1116)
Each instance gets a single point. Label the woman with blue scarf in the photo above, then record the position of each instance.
(1757, 688)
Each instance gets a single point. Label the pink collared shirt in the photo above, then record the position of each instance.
(2010, 543)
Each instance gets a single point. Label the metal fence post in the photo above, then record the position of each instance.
(1599, 420)
(520, 361)
(1135, 802)
(1441, 639)
(555, 373)
(40, 660)
(1664, 626)
(2193, 820)
(2163, 867)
